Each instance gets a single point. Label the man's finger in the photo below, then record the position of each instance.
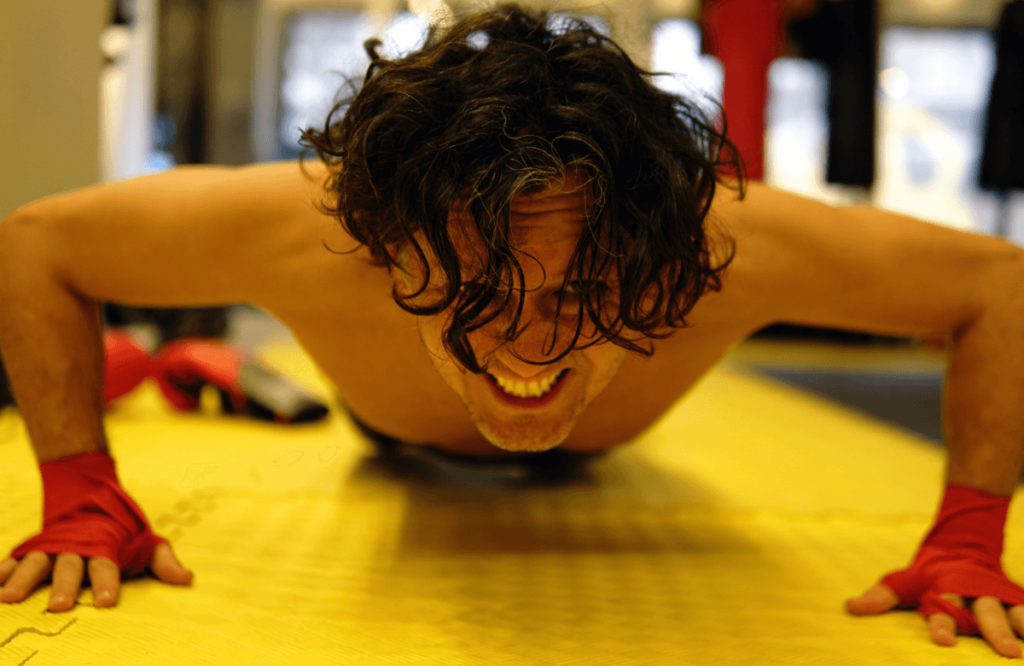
(166, 567)
(878, 599)
(954, 599)
(7, 568)
(67, 581)
(942, 628)
(995, 627)
(31, 570)
(105, 579)
(1016, 615)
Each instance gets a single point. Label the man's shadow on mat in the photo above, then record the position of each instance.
(621, 503)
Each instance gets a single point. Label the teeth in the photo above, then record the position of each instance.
(521, 389)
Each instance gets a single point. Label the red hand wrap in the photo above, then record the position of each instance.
(126, 364)
(85, 511)
(960, 555)
(183, 366)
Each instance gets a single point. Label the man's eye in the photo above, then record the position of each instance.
(475, 287)
(577, 287)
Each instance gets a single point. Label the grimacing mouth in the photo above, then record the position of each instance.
(529, 389)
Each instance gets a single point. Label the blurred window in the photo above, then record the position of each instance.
(322, 51)
(933, 93)
(933, 88)
(560, 21)
(675, 54)
(797, 126)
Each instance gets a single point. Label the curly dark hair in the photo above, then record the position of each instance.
(504, 102)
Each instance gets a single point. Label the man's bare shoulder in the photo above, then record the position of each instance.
(190, 236)
(803, 261)
(745, 249)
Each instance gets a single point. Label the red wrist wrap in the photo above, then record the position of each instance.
(126, 365)
(85, 511)
(960, 555)
(183, 366)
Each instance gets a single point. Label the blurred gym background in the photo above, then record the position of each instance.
(915, 106)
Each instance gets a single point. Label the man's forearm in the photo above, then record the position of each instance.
(984, 394)
(52, 347)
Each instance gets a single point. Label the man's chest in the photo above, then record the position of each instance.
(372, 352)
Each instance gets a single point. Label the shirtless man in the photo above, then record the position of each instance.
(518, 209)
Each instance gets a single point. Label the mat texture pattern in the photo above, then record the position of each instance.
(728, 534)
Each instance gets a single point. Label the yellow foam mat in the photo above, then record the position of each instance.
(728, 534)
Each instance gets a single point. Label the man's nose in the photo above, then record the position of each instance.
(531, 347)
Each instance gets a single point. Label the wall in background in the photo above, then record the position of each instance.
(49, 97)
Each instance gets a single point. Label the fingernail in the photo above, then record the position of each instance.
(58, 599)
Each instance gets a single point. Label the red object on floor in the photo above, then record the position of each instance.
(182, 367)
(746, 36)
(126, 365)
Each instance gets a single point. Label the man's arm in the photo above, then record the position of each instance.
(866, 269)
(190, 237)
(50, 340)
(197, 236)
(984, 393)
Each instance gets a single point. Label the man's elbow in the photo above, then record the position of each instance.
(13, 227)
(1012, 268)
(991, 291)
(22, 244)
(1004, 283)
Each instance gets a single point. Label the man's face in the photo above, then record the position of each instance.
(546, 226)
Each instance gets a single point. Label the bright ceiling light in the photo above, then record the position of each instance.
(895, 82)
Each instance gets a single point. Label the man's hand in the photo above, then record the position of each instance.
(20, 577)
(956, 580)
(87, 518)
(997, 624)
